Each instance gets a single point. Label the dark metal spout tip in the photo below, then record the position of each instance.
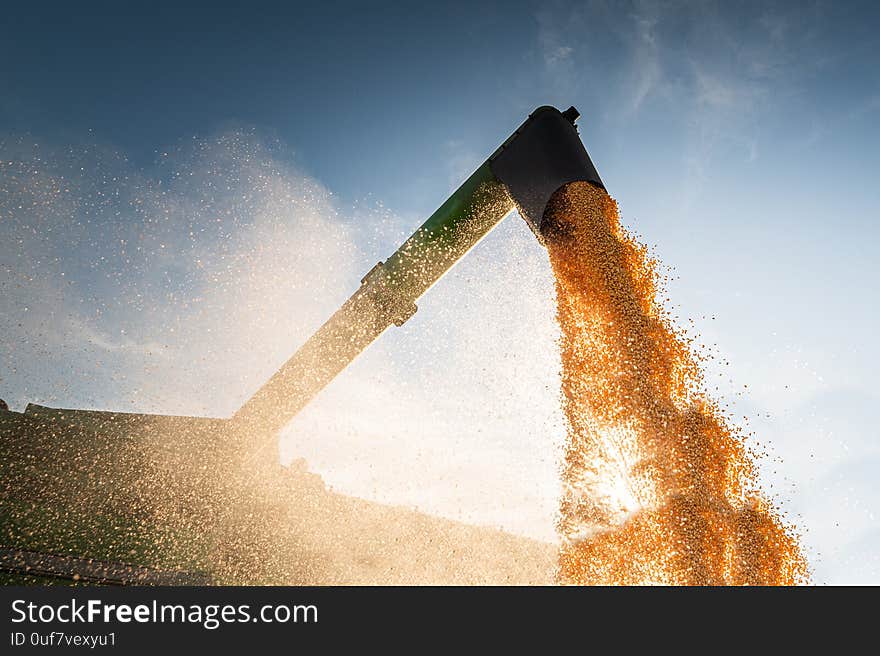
(571, 114)
(543, 155)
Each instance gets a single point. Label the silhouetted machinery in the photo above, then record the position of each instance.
(87, 494)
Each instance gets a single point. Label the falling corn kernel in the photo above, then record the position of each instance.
(657, 486)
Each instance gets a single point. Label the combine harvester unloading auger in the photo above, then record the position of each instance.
(542, 156)
(44, 448)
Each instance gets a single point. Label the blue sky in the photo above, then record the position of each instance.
(189, 191)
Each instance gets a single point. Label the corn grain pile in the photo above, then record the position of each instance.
(658, 488)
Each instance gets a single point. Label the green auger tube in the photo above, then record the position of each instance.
(544, 154)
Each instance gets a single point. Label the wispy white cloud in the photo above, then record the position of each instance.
(80, 332)
(646, 72)
(714, 72)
